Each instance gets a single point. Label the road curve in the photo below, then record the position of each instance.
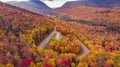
(85, 50)
(58, 36)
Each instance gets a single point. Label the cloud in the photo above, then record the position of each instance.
(59, 0)
(56, 3)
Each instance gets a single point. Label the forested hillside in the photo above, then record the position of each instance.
(93, 16)
(22, 31)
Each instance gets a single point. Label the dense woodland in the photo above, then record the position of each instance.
(94, 16)
(104, 46)
(21, 32)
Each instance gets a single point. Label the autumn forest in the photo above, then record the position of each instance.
(82, 36)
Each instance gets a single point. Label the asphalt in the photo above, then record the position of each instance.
(45, 42)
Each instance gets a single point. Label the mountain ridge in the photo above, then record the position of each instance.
(32, 5)
(94, 3)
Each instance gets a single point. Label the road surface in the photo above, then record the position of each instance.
(85, 50)
(47, 39)
(45, 42)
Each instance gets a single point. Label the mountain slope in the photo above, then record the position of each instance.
(39, 3)
(84, 12)
(92, 16)
(106, 3)
(11, 15)
(21, 31)
(33, 5)
(95, 3)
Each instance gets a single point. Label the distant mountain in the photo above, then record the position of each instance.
(74, 11)
(106, 3)
(39, 4)
(33, 5)
(95, 3)
(72, 4)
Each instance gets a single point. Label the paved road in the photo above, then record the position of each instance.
(85, 49)
(58, 36)
(46, 40)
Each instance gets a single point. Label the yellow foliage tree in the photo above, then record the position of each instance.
(9, 65)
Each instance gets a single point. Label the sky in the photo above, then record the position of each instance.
(50, 3)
